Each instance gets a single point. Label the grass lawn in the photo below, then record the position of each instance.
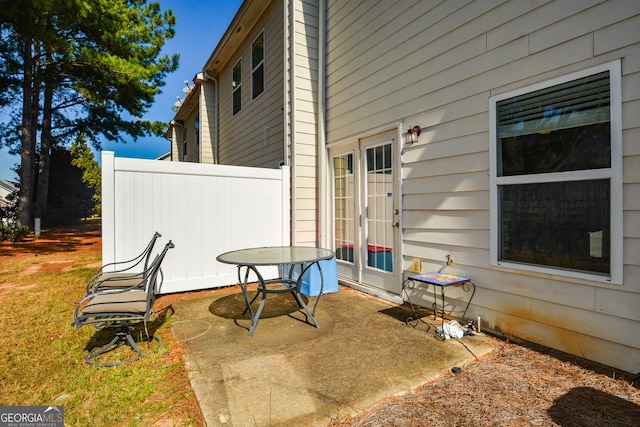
(42, 355)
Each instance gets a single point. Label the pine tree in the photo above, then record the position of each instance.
(77, 66)
(82, 158)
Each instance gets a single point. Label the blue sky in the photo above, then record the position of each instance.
(199, 27)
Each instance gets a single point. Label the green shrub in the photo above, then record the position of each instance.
(10, 231)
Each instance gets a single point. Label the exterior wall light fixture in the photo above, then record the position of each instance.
(412, 135)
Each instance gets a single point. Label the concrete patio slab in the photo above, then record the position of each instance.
(293, 374)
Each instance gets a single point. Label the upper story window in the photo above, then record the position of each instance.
(556, 176)
(197, 129)
(236, 86)
(257, 66)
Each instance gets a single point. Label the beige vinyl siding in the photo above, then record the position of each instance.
(255, 135)
(435, 64)
(207, 122)
(176, 134)
(193, 150)
(304, 92)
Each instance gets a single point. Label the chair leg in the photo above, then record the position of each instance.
(123, 335)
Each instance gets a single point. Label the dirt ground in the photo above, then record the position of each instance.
(84, 237)
(516, 386)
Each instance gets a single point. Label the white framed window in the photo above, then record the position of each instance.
(343, 206)
(236, 87)
(257, 66)
(196, 127)
(556, 176)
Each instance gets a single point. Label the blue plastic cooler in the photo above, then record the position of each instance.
(311, 280)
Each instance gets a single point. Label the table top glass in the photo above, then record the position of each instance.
(275, 255)
(439, 279)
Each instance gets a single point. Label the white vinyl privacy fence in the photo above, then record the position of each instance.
(204, 209)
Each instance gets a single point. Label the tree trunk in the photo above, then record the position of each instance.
(45, 148)
(27, 166)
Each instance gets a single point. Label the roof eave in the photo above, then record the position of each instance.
(245, 18)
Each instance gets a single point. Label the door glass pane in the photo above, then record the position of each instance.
(379, 190)
(343, 190)
(559, 224)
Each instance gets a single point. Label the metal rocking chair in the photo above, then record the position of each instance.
(122, 274)
(122, 309)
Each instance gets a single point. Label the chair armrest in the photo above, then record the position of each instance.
(124, 267)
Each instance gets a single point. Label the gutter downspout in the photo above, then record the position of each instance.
(173, 139)
(199, 81)
(216, 116)
(322, 138)
(399, 202)
(289, 158)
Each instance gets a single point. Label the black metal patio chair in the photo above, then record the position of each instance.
(122, 274)
(122, 310)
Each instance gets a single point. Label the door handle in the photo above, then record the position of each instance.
(395, 224)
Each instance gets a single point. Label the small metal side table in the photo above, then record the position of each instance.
(440, 280)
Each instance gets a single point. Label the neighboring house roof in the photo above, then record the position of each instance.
(6, 187)
(165, 156)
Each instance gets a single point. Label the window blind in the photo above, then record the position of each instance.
(580, 102)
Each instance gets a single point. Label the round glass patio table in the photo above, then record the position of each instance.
(286, 257)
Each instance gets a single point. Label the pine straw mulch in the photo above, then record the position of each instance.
(516, 386)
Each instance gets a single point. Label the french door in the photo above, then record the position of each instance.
(365, 212)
